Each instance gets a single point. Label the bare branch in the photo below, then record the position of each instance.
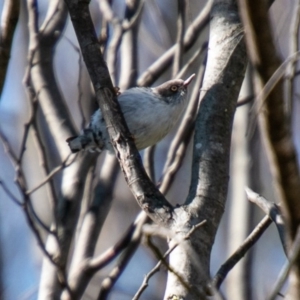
(67, 162)
(192, 60)
(9, 193)
(26, 203)
(245, 100)
(42, 76)
(99, 262)
(292, 258)
(289, 84)
(81, 267)
(145, 192)
(9, 20)
(129, 50)
(183, 135)
(225, 69)
(177, 62)
(240, 252)
(108, 282)
(271, 210)
(162, 261)
(54, 109)
(148, 160)
(33, 98)
(274, 123)
(190, 37)
(113, 48)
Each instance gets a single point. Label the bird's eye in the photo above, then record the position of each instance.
(174, 88)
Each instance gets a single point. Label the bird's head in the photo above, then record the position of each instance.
(173, 91)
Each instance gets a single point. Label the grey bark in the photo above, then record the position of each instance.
(210, 169)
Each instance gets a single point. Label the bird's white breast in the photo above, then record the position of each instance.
(148, 117)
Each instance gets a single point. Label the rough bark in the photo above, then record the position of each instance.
(210, 169)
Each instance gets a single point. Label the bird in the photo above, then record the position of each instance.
(150, 113)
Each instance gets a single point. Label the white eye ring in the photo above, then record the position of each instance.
(174, 88)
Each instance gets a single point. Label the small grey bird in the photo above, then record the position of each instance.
(150, 114)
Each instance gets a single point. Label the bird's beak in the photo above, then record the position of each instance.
(188, 81)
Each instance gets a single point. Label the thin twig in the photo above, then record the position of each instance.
(192, 60)
(291, 70)
(27, 203)
(80, 92)
(38, 219)
(292, 257)
(191, 35)
(98, 262)
(63, 165)
(104, 36)
(274, 122)
(108, 282)
(177, 62)
(145, 282)
(113, 48)
(272, 210)
(22, 185)
(240, 252)
(148, 160)
(9, 20)
(245, 100)
(9, 193)
(119, 29)
(128, 23)
(261, 97)
(129, 49)
(181, 140)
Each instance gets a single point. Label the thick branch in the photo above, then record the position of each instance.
(9, 20)
(222, 82)
(225, 69)
(145, 192)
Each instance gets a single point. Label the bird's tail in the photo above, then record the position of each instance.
(85, 141)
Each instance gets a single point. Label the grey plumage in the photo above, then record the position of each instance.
(150, 114)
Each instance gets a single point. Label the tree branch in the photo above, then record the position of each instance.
(225, 70)
(163, 261)
(190, 37)
(292, 258)
(9, 20)
(177, 62)
(240, 252)
(274, 122)
(271, 210)
(145, 192)
(110, 280)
